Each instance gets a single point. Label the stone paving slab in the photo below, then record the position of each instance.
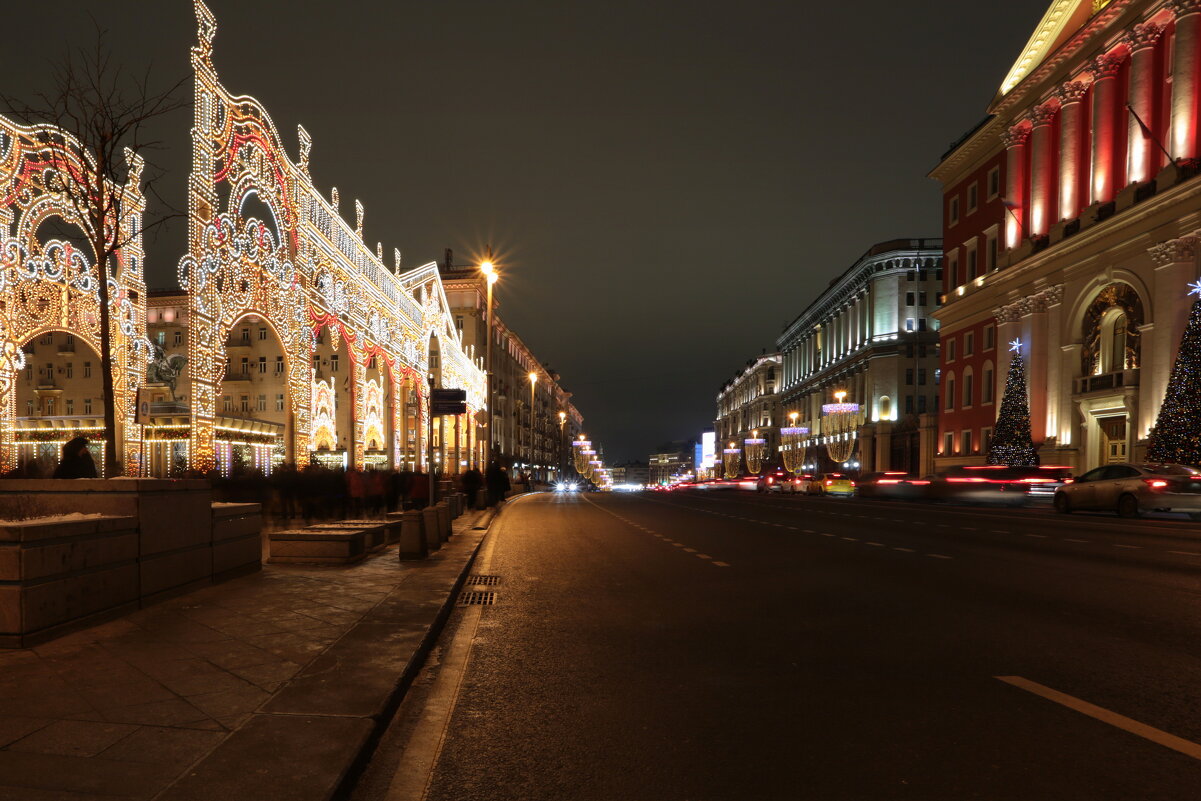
(265, 686)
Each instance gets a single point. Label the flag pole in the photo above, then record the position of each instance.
(1148, 135)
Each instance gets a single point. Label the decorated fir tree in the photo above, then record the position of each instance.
(1176, 436)
(1011, 443)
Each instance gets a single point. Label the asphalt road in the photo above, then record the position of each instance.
(734, 646)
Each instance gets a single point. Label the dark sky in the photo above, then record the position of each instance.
(666, 184)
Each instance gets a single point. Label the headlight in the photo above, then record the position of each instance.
(571, 488)
(560, 486)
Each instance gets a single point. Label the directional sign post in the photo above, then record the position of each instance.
(448, 402)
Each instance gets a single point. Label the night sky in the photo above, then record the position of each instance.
(665, 184)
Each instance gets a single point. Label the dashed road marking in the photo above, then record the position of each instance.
(877, 544)
(824, 534)
(968, 528)
(1038, 536)
(903, 550)
(1073, 539)
(1000, 531)
(939, 556)
(1186, 553)
(690, 550)
(851, 539)
(1131, 547)
(720, 564)
(703, 556)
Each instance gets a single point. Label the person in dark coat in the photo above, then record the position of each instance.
(77, 461)
(472, 480)
(497, 481)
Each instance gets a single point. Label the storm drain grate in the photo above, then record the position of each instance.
(486, 581)
(477, 598)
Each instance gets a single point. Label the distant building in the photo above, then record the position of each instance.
(634, 472)
(872, 334)
(672, 462)
(748, 407)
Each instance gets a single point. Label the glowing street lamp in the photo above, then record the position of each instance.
(488, 269)
(533, 383)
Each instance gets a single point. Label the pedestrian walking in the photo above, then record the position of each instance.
(472, 480)
(497, 481)
(77, 461)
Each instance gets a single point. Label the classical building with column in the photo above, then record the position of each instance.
(872, 335)
(748, 408)
(1093, 138)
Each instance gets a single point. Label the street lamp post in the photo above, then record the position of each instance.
(530, 456)
(562, 445)
(490, 277)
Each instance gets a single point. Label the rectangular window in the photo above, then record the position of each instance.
(950, 394)
(28, 372)
(921, 324)
(908, 404)
(985, 439)
(994, 183)
(966, 441)
(262, 365)
(279, 402)
(177, 338)
(908, 376)
(245, 334)
(333, 363)
(161, 338)
(316, 362)
(50, 406)
(87, 405)
(950, 350)
(921, 376)
(967, 391)
(29, 408)
(989, 334)
(972, 272)
(953, 265)
(227, 404)
(70, 367)
(990, 253)
(909, 321)
(910, 297)
(459, 322)
(969, 343)
(245, 366)
(279, 365)
(262, 333)
(921, 404)
(244, 403)
(948, 443)
(986, 389)
(972, 197)
(953, 211)
(87, 369)
(921, 298)
(262, 403)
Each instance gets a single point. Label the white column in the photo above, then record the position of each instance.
(1015, 139)
(1186, 60)
(1141, 153)
(1073, 172)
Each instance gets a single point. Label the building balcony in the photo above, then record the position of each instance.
(237, 343)
(1106, 382)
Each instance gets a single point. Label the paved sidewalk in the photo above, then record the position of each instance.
(265, 686)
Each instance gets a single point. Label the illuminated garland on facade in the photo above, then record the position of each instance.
(52, 286)
(839, 423)
(304, 270)
(792, 449)
(755, 449)
(731, 459)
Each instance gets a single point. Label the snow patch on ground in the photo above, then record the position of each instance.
(67, 518)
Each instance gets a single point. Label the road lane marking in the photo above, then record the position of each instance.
(968, 528)
(1185, 553)
(703, 556)
(904, 550)
(808, 531)
(939, 556)
(720, 564)
(851, 539)
(877, 544)
(690, 550)
(678, 544)
(1131, 547)
(1072, 539)
(1038, 536)
(942, 525)
(1157, 736)
(824, 534)
(999, 531)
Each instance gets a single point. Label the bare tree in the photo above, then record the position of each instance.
(110, 112)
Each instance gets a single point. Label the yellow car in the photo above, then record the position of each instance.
(833, 484)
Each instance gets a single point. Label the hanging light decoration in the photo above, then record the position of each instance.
(730, 458)
(839, 423)
(792, 447)
(579, 460)
(755, 448)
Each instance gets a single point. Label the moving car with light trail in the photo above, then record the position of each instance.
(833, 484)
(1132, 489)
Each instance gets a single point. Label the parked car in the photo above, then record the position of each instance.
(832, 484)
(1131, 489)
(1035, 484)
(891, 484)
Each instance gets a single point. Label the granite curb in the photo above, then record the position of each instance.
(312, 737)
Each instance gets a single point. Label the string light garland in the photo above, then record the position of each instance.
(839, 423)
(731, 459)
(755, 447)
(1011, 443)
(792, 449)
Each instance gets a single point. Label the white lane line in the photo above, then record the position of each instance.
(1131, 547)
(720, 564)
(942, 525)
(877, 544)
(824, 534)
(690, 550)
(678, 544)
(1073, 539)
(851, 539)
(903, 550)
(1185, 553)
(808, 531)
(1157, 736)
(939, 556)
(703, 556)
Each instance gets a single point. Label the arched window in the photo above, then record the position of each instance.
(1113, 341)
(885, 407)
(1110, 331)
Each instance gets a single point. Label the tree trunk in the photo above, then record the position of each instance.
(112, 467)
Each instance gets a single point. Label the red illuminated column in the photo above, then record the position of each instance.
(1073, 169)
(1185, 60)
(1015, 140)
(1105, 99)
(1141, 151)
(1042, 167)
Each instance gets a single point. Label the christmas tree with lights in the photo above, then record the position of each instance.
(1176, 436)
(1011, 443)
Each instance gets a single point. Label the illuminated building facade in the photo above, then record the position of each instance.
(50, 387)
(1095, 136)
(748, 407)
(528, 437)
(870, 334)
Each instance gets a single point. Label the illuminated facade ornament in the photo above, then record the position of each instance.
(1015, 346)
(755, 448)
(731, 459)
(51, 285)
(839, 427)
(792, 447)
(263, 242)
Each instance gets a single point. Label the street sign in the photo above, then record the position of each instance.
(448, 402)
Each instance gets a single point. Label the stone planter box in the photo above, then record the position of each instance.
(172, 540)
(376, 531)
(412, 534)
(319, 546)
(57, 572)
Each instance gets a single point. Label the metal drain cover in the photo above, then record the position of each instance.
(487, 581)
(477, 598)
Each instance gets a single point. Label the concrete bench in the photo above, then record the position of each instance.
(377, 531)
(328, 546)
